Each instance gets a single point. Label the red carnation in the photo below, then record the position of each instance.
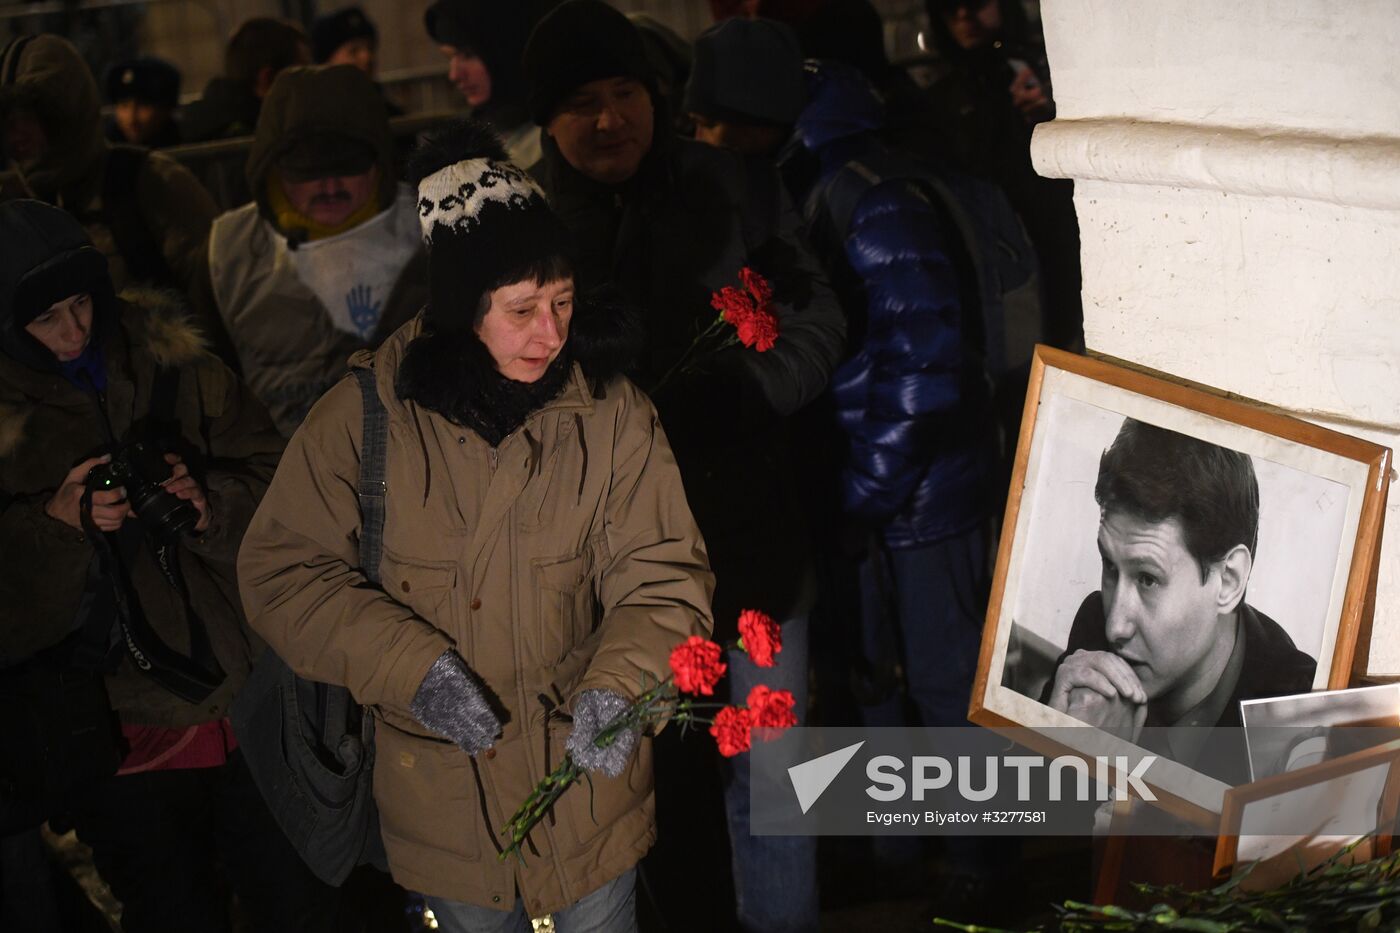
(760, 636)
(757, 286)
(759, 330)
(696, 665)
(748, 310)
(771, 709)
(733, 305)
(731, 730)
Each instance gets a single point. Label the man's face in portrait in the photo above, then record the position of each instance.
(1160, 616)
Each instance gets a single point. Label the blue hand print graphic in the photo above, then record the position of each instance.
(364, 313)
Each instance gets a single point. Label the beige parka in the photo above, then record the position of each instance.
(565, 559)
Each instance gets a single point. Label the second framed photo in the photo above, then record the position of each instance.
(1166, 554)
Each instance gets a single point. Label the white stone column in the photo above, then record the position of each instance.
(1237, 179)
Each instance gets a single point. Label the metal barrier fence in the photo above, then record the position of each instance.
(219, 164)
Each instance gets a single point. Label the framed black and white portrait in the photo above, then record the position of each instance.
(1166, 554)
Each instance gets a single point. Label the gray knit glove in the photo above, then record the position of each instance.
(593, 710)
(452, 702)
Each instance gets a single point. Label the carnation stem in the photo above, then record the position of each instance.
(684, 363)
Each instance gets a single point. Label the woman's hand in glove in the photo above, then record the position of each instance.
(451, 701)
(593, 710)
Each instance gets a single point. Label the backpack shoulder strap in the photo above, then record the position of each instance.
(374, 446)
(122, 213)
(828, 210)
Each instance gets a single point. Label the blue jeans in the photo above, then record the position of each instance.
(925, 607)
(609, 909)
(775, 877)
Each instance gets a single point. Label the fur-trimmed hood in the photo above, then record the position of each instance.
(154, 327)
(159, 322)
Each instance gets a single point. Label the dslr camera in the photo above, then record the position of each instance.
(141, 470)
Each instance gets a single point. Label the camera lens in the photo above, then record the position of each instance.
(164, 513)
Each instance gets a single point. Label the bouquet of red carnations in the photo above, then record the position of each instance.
(747, 310)
(696, 668)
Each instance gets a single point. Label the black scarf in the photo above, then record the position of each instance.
(453, 374)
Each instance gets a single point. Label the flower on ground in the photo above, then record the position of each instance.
(731, 730)
(760, 636)
(771, 709)
(696, 665)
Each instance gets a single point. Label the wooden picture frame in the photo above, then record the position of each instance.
(1321, 497)
(1284, 733)
(1327, 790)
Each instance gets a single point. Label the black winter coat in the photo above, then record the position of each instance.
(666, 240)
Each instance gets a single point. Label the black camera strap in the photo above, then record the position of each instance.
(194, 677)
(96, 642)
(191, 678)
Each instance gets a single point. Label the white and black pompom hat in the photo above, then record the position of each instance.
(485, 222)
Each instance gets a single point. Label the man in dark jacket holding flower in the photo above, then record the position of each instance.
(669, 223)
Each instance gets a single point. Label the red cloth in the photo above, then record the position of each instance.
(155, 748)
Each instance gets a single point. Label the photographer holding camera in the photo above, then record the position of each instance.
(130, 463)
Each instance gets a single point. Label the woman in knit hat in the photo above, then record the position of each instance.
(539, 563)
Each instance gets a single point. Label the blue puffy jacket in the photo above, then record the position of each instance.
(907, 398)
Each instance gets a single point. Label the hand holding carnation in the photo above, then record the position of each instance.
(595, 711)
(607, 725)
(749, 309)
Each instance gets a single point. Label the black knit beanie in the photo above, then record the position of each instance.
(45, 257)
(580, 41)
(747, 71)
(485, 222)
